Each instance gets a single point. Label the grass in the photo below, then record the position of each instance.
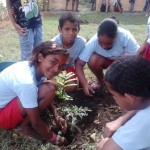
(9, 49)
(136, 23)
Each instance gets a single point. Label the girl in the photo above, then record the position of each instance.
(23, 95)
(128, 80)
(145, 48)
(108, 44)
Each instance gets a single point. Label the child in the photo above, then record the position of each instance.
(27, 21)
(118, 6)
(128, 80)
(69, 27)
(102, 49)
(103, 6)
(145, 48)
(23, 94)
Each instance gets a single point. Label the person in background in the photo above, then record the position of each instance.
(93, 6)
(132, 3)
(27, 21)
(118, 6)
(75, 5)
(24, 95)
(69, 27)
(103, 6)
(145, 6)
(107, 45)
(128, 80)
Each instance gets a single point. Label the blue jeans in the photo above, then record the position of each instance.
(29, 41)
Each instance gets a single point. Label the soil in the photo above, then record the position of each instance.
(103, 110)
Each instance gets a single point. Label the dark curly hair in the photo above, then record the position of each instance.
(46, 48)
(108, 27)
(69, 16)
(130, 74)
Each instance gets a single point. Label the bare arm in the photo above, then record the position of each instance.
(41, 127)
(9, 8)
(19, 29)
(107, 144)
(113, 126)
(80, 73)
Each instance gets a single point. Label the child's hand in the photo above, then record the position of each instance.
(20, 30)
(62, 123)
(60, 141)
(88, 90)
(111, 128)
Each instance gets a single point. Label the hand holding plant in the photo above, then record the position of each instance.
(62, 123)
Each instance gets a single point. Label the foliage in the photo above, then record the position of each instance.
(72, 113)
(63, 80)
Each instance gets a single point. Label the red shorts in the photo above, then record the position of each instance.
(72, 69)
(146, 53)
(10, 115)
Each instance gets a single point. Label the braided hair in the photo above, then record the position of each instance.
(46, 48)
(130, 74)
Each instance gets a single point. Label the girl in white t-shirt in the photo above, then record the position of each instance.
(23, 95)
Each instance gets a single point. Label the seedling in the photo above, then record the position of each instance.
(64, 80)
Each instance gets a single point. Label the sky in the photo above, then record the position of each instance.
(4, 2)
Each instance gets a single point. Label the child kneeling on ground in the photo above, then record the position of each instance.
(128, 80)
(24, 95)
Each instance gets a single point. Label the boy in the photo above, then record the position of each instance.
(28, 23)
(102, 49)
(69, 27)
(128, 80)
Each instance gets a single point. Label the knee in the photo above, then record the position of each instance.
(45, 88)
(95, 62)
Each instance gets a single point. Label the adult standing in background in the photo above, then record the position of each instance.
(145, 6)
(132, 2)
(93, 7)
(27, 21)
(75, 5)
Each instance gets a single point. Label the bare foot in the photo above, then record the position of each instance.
(25, 132)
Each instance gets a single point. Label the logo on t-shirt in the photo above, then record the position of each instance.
(25, 10)
(30, 8)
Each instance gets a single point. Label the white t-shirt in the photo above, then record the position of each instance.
(148, 30)
(74, 50)
(18, 80)
(124, 44)
(135, 134)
